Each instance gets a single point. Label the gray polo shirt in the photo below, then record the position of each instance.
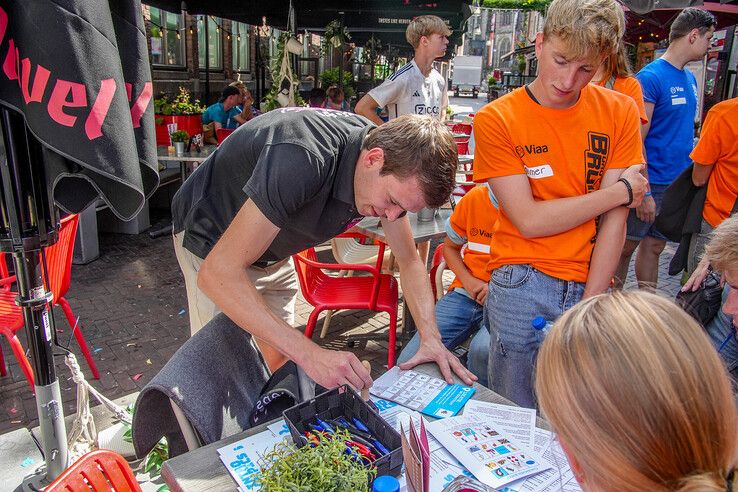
(296, 164)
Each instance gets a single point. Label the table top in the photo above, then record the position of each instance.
(466, 158)
(422, 231)
(163, 154)
(202, 470)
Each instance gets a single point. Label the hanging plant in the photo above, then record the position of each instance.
(280, 82)
(372, 51)
(335, 34)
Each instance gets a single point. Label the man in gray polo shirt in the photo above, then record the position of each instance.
(294, 178)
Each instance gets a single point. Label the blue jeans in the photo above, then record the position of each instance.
(720, 329)
(517, 294)
(636, 228)
(458, 317)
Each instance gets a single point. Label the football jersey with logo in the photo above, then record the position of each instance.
(407, 91)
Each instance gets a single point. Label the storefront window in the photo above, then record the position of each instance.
(240, 38)
(166, 40)
(215, 43)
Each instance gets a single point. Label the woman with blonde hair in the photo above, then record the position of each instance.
(638, 397)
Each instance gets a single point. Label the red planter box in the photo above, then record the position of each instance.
(190, 124)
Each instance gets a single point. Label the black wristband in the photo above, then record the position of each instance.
(630, 192)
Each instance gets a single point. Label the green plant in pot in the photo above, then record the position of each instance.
(330, 77)
(182, 110)
(325, 467)
(180, 139)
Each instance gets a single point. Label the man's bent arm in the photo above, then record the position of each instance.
(608, 246)
(224, 280)
(538, 218)
(701, 173)
(418, 295)
(367, 107)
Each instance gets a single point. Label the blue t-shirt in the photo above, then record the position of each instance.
(670, 139)
(217, 112)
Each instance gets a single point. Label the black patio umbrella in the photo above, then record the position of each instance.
(77, 123)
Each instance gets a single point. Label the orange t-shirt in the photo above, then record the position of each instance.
(473, 219)
(630, 87)
(718, 146)
(564, 152)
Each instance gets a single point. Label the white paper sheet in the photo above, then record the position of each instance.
(518, 423)
(490, 455)
(243, 458)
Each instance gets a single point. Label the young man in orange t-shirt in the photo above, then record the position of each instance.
(563, 158)
(716, 164)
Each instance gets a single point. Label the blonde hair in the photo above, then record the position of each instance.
(638, 396)
(425, 25)
(588, 27)
(722, 250)
(617, 64)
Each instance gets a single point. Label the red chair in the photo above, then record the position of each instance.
(59, 260)
(438, 265)
(99, 470)
(462, 144)
(222, 133)
(465, 128)
(378, 292)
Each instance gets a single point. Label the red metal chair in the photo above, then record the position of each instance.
(462, 143)
(99, 470)
(59, 260)
(438, 265)
(465, 128)
(222, 133)
(378, 292)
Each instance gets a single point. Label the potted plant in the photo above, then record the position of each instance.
(326, 466)
(181, 110)
(330, 77)
(493, 88)
(179, 139)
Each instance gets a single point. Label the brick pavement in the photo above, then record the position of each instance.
(132, 308)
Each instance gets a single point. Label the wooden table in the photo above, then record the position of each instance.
(201, 470)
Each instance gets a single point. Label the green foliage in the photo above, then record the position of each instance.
(153, 461)
(182, 105)
(180, 136)
(330, 77)
(334, 35)
(539, 5)
(325, 467)
(270, 99)
(493, 82)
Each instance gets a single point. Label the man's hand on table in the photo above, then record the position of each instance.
(434, 351)
(332, 368)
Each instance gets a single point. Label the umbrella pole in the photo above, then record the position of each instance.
(29, 224)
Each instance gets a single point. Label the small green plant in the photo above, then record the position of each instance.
(493, 82)
(330, 77)
(153, 461)
(182, 105)
(180, 136)
(335, 33)
(326, 467)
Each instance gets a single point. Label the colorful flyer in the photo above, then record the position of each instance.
(243, 458)
(421, 392)
(488, 454)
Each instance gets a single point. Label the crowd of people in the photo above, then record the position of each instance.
(573, 169)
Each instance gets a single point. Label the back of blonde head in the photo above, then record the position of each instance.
(588, 27)
(638, 395)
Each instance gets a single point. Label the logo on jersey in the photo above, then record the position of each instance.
(595, 160)
(423, 109)
(521, 150)
(417, 94)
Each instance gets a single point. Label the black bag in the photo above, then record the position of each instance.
(704, 303)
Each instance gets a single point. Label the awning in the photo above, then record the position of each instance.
(384, 19)
(519, 51)
(657, 22)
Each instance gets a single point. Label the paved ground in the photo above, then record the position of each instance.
(132, 309)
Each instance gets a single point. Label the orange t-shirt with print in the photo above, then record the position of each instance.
(565, 153)
(718, 146)
(630, 87)
(474, 218)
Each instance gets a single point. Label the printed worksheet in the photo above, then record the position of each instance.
(242, 458)
(490, 455)
(515, 422)
(421, 392)
(549, 480)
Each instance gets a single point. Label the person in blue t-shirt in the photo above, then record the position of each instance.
(224, 112)
(670, 96)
